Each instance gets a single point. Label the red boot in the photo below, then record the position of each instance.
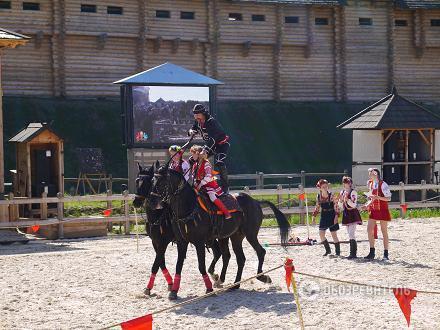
(222, 208)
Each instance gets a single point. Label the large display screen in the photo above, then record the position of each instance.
(162, 115)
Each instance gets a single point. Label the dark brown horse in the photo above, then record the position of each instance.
(159, 228)
(194, 225)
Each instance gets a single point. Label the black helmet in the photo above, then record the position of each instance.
(200, 108)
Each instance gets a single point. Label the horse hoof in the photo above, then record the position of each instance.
(218, 284)
(172, 295)
(264, 279)
(214, 277)
(147, 292)
(170, 287)
(209, 290)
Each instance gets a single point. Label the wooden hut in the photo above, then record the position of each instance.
(399, 137)
(40, 163)
(301, 50)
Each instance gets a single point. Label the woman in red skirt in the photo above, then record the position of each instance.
(379, 195)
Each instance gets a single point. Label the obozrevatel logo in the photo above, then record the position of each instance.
(309, 289)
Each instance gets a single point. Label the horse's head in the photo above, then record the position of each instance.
(144, 182)
(166, 184)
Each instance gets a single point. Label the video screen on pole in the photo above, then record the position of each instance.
(162, 115)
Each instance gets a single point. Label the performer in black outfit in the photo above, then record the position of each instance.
(216, 140)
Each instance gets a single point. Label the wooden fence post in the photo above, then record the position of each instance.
(301, 204)
(402, 198)
(260, 180)
(423, 195)
(60, 215)
(110, 183)
(109, 207)
(43, 206)
(303, 179)
(279, 195)
(126, 212)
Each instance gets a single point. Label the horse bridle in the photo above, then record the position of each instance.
(167, 196)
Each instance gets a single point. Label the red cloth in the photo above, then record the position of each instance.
(167, 276)
(289, 268)
(404, 298)
(378, 209)
(204, 172)
(140, 323)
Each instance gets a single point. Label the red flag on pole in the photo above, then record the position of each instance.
(404, 207)
(404, 298)
(35, 228)
(107, 212)
(288, 266)
(140, 323)
(302, 196)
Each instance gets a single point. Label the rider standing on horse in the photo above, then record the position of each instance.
(216, 140)
(203, 179)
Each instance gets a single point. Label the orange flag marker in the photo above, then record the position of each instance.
(404, 298)
(35, 228)
(140, 323)
(107, 212)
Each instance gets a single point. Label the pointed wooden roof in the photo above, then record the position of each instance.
(30, 131)
(169, 74)
(9, 39)
(392, 112)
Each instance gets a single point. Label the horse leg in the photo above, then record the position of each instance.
(261, 252)
(200, 248)
(216, 252)
(182, 247)
(165, 271)
(237, 240)
(226, 256)
(156, 264)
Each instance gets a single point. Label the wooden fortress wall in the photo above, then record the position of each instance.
(79, 54)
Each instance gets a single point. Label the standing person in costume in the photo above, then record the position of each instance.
(329, 217)
(350, 214)
(177, 162)
(216, 140)
(203, 179)
(379, 195)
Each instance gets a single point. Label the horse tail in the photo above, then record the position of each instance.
(282, 221)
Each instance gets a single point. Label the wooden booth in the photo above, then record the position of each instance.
(399, 137)
(40, 165)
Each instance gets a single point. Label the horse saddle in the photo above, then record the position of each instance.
(228, 200)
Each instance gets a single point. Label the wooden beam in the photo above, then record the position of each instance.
(61, 43)
(277, 52)
(406, 154)
(343, 54)
(423, 137)
(388, 136)
(309, 31)
(141, 40)
(390, 44)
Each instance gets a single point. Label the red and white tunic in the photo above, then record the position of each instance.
(378, 209)
(350, 213)
(181, 166)
(204, 179)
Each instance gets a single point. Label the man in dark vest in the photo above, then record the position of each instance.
(216, 141)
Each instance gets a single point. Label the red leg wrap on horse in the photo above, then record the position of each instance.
(151, 282)
(207, 281)
(167, 276)
(176, 284)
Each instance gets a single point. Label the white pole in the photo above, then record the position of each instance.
(307, 216)
(137, 234)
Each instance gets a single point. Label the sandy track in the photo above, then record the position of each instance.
(96, 282)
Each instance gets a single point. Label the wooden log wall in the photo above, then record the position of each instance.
(78, 54)
(416, 64)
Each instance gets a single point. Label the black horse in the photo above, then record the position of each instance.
(196, 226)
(159, 227)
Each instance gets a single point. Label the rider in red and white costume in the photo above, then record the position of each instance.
(177, 162)
(204, 180)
